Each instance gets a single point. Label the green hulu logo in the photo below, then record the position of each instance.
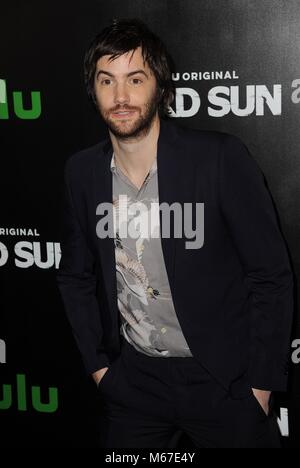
(49, 407)
(17, 104)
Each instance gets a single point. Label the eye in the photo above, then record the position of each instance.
(136, 81)
(106, 81)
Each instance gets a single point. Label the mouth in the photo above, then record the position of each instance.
(122, 114)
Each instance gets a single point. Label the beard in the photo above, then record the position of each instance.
(138, 128)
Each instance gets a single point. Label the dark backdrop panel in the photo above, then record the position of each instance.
(41, 52)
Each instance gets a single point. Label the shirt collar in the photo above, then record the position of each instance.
(114, 167)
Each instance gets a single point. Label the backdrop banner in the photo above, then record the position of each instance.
(237, 70)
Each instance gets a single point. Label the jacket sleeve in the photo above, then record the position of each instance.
(249, 213)
(76, 281)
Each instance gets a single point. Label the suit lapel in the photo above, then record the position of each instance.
(169, 175)
(102, 187)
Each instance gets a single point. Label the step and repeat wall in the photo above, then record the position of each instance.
(237, 69)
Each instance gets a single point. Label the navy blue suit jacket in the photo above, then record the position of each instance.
(233, 296)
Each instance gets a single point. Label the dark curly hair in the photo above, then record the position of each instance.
(125, 35)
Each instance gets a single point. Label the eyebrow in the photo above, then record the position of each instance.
(128, 74)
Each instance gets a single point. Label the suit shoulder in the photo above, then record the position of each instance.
(204, 144)
(82, 160)
(202, 136)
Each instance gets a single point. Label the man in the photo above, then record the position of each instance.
(178, 334)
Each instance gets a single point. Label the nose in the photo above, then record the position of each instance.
(121, 94)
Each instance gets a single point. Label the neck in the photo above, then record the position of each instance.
(136, 156)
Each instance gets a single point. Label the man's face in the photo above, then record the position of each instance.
(126, 93)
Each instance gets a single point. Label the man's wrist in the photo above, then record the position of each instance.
(263, 393)
(97, 376)
(263, 398)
